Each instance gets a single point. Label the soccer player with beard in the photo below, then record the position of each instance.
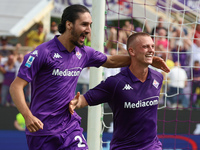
(53, 69)
(133, 96)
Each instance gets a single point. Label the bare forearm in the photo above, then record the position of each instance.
(18, 98)
(117, 61)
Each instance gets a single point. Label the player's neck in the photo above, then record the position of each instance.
(139, 72)
(63, 38)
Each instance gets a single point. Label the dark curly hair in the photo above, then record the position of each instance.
(71, 14)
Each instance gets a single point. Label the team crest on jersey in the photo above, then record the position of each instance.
(35, 52)
(155, 83)
(29, 61)
(78, 55)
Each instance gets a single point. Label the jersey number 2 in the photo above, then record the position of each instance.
(80, 144)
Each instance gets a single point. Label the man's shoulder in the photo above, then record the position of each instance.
(46, 47)
(119, 76)
(114, 81)
(156, 73)
(90, 52)
(49, 45)
(86, 48)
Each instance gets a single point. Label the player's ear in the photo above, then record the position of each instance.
(131, 51)
(69, 25)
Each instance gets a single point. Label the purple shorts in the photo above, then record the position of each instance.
(72, 139)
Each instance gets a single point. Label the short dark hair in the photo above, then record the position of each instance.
(71, 14)
(134, 36)
(40, 24)
(196, 62)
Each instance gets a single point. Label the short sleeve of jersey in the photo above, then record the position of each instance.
(95, 58)
(32, 63)
(102, 93)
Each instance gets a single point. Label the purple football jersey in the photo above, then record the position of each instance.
(134, 105)
(72, 139)
(53, 73)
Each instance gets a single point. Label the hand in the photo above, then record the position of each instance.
(160, 64)
(73, 103)
(33, 124)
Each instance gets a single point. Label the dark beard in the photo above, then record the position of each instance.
(76, 36)
(77, 44)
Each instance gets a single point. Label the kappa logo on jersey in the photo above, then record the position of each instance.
(78, 55)
(155, 83)
(56, 55)
(29, 61)
(127, 87)
(35, 53)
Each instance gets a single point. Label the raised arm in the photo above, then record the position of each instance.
(79, 101)
(33, 124)
(117, 61)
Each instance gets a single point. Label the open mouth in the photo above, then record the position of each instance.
(149, 55)
(82, 37)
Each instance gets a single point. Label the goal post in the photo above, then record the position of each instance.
(97, 42)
